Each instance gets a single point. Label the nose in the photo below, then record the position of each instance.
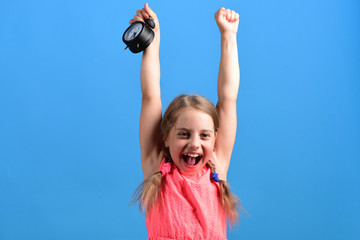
(194, 142)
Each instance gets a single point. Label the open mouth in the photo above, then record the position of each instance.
(191, 159)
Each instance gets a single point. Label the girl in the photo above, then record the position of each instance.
(185, 154)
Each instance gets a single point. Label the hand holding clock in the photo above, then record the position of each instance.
(146, 13)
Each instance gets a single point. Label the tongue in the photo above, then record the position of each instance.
(191, 161)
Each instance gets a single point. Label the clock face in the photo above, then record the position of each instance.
(133, 31)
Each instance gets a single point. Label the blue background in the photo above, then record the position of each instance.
(70, 103)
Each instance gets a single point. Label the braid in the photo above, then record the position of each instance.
(148, 191)
(211, 165)
(229, 202)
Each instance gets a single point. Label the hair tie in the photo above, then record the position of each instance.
(215, 176)
(166, 167)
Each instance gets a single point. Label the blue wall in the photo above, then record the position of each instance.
(70, 102)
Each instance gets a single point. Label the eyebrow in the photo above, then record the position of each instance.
(186, 129)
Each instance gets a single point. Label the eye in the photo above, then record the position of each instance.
(183, 134)
(205, 135)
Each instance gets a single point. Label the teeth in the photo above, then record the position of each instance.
(192, 155)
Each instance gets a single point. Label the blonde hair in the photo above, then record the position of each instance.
(148, 191)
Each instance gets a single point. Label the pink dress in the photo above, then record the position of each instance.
(187, 208)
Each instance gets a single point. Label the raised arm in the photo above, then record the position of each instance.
(228, 85)
(151, 109)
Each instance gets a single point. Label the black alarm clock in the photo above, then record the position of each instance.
(139, 35)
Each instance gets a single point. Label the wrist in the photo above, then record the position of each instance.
(153, 49)
(228, 35)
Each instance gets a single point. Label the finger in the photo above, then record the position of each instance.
(233, 16)
(228, 14)
(131, 21)
(139, 13)
(220, 13)
(137, 18)
(149, 11)
(223, 13)
(144, 13)
(236, 17)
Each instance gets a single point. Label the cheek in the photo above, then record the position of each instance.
(175, 146)
(210, 146)
(178, 145)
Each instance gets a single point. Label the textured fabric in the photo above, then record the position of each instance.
(187, 208)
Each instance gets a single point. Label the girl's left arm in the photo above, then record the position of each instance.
(228, 85)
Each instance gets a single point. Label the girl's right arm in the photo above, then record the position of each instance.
(151, 108)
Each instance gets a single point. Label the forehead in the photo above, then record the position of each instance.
(194, 119)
